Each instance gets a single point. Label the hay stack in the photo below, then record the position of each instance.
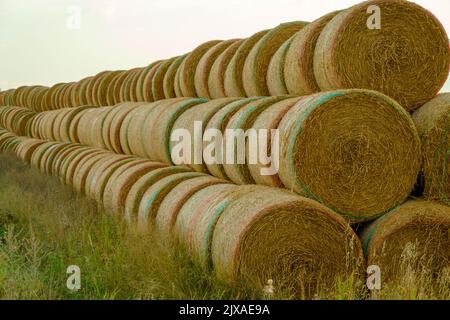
(243, 119)
(407, 59)
(433, 123)
(170, 207)
(159, 127)
(219, 122)
(202, 113)
(120, 183)
(216, 79)
(101, 171)
(269, 120)
(134, 197)
(254, 74)
(272, 234)
(204, 67)
(299, 58)
(153, 196)
(357, 151)
(158, 79)
(188, 67)
(197, 217)
(275, 72)
(169, 78)
(83, 169)
(414, 235)
(233, 75)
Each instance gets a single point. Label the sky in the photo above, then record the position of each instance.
(50, 41)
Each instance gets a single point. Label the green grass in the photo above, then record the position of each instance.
(45, 227)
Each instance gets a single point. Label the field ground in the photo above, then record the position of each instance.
(45, 227)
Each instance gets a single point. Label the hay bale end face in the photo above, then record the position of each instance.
(433, 123)
(357, 151)
(407, 58)
(415, 235)
(254, 73)
(274, 234)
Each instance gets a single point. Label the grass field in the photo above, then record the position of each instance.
(45, 227)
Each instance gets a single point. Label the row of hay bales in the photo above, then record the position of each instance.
(246, 233)
(407, 58)
(356, 151)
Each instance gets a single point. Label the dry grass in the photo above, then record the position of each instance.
(45, 227)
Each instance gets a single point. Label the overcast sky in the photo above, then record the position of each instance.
(42, 42)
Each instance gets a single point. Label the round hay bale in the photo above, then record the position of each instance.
(67, 161)
(256, 64)
(92, 86)
(27, 149)
(144, 86)
(83, 90)
(176, 80)
(38, 153)
(169, 77)
(138, 189)
(83, 168)
(124, 88)
(415, 235)
(132, 133)
(109, 92)
(85, 126)
(102, 179)
(219, 122)
(201, 113)
(158, 125)
(189, 66)
(197, 217)
(233, 74)
(55, 103)
(170, 207)
(59, 122)
(216, 78)
(48, 157)
(116, 120)
(69, 123)
(158, 79)
(133, 91)
(61, 157)
(76, 160)
(152, 198)
(408, 58)
(269, 119)
(276, 83)
(73, 126)
(299, 60)
(120, 183)
(118, 83)
(357, 151)
(204, 67)
(101, 89)
(96, 128)
(98, 169)
(243, 119)
(433, 123)
(298, 243)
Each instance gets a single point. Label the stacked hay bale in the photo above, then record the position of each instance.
(369, 154)
(412, 238)
(340, 50)
(222, 231)
(433, 123)
(355, 153)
